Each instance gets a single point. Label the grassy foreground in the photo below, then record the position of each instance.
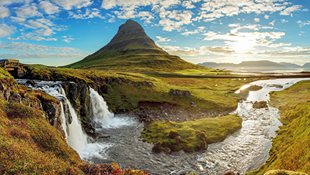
(190, 135)
(291, 148)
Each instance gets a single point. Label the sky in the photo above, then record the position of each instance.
(59, 32)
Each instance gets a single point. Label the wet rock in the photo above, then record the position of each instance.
(158, 148)
(79, 96)
(260, 104)
(180, 93)
(52, 111)
(31, 82)
(102, 136)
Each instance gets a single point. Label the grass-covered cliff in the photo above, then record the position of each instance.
(31, 144)
(290, 153)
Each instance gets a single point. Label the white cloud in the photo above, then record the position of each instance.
(175, 19)
(290, 10)
(188, 4)
(67, 39)
(4, 12)
(272, 23)
(6, 30)
(48, 7)
(214, 9)
(303, 23)
(174, 14)
(199, 51)
(27, 11)
(162, 39)
(146, 16)
(70, 4)
(88, 14)
(39, 29)
(18, 19)
(10, 2)
(193, 32)
(26, 50)
(284, 21)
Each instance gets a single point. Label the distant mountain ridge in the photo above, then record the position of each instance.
(131, 47)
(256, 65)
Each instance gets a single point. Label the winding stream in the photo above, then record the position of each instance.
(245, 150)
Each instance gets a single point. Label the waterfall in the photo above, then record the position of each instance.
(74, 134)
(76, 138)
(103, 116)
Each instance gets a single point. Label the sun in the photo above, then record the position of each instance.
(242, 45)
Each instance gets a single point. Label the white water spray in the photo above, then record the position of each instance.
(103, 116)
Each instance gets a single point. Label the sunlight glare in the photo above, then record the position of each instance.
(243, 45)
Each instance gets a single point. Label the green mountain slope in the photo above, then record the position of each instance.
(132, 49)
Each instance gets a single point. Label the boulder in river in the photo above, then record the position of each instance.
(260, 104)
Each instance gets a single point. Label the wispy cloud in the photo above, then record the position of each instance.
(26, 50)
(162, 40)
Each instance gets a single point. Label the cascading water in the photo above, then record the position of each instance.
(103, 116)
(76, 137)
(73, 131)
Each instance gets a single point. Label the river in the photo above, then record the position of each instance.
(245, 150)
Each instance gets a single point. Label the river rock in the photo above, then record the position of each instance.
(31, 82)
(260, 104)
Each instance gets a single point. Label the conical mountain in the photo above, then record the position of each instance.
(131, 48)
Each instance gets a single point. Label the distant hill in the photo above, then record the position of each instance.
(262, 65)
(132, 48)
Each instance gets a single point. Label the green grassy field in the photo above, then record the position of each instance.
(291, 148)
